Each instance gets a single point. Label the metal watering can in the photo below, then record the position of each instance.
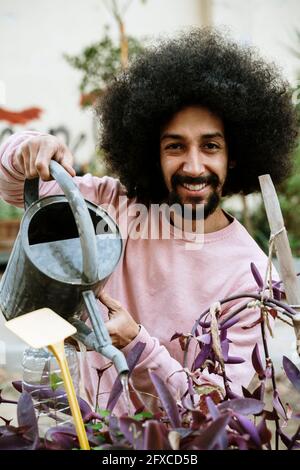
(65, 251)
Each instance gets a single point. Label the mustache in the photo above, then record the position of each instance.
(211, 179)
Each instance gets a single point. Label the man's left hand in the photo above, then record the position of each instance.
(121, 326)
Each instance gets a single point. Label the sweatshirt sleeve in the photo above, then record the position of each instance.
(155, 358)
(104, 191)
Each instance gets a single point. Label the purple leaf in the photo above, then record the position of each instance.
(212, 408)
(278, 405)
(12, 439)
(225, 349)
(234, 360)
(264, 433)
(215, 414)
(288, 441)
(250, 429)
(231, 394)
(258, 279)
(133, 431)
(50, 398)
(209, 438)
(259, 392)
(132, 360)
(229, 323)
(6, 421)
(206, 338)
(91, 416)
(114, 429)
(65, 437)
(202, 356)
(17, 384)
(198, 418)
(175, 336)
(240, 441)
(246, 392)
(223, 335)
(204, 324)
(190, 386)
(277, 294)
(270, 415)
(292, 372)
(155, 436)
(166, 399)
(61, 438)
(257, 364)
(246, 406)
(27, 418)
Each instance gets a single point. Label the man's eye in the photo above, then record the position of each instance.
(174, 146)
(211, 146)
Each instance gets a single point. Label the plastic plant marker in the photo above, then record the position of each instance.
(44, 328)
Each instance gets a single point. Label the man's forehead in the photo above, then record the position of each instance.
(196, 118)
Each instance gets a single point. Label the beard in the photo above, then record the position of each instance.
(210, 204)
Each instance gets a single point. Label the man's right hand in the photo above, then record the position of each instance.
(32, 157)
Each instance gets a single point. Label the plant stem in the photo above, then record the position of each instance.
(268, 302)
(268, 364)
(294, 438)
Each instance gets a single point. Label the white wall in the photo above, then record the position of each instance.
(268, 24)
(35, 33)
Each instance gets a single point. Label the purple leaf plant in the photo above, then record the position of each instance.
(203, 418)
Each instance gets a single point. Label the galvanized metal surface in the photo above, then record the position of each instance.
(66, 246)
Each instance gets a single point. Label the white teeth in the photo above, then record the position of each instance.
(194, 187)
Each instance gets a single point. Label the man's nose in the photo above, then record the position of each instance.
(194, 163)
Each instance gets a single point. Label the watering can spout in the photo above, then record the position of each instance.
(99, 339)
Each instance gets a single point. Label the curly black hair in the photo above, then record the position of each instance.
(201, 67)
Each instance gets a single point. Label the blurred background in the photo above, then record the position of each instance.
(57, 57)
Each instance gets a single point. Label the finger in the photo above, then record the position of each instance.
(45, 154)
(26, 162)
(66, 159)
(110, 326)
(33, 150)
(19, 159)
(112, 304)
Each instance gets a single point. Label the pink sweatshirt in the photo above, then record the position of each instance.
(165, 287)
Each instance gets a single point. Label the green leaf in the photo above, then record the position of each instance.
(95, 427)
(103, 413)
(55, 381)
(99, 62)
(143, 415)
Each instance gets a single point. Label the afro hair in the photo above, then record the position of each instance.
(202, 67)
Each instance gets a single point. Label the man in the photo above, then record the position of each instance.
(193, 119)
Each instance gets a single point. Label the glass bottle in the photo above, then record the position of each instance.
(43, 380)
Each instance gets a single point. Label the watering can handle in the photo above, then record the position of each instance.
(81, 214)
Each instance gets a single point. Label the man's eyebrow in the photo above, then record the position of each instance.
(170, 136)
(211, 135)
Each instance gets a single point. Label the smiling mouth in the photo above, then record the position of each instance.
(194, 187)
